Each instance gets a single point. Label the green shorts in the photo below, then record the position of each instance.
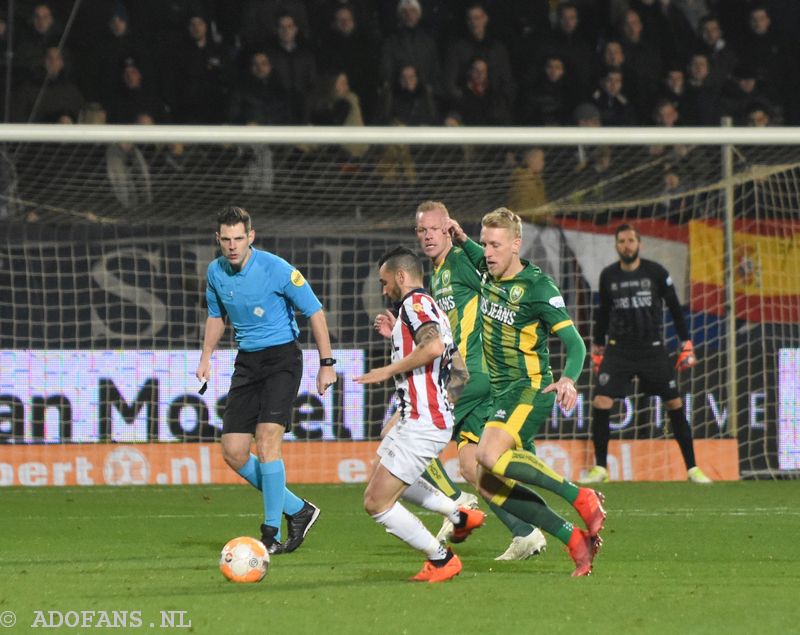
(472, 410)
(521, 411)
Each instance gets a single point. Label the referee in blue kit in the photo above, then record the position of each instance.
(259, 293)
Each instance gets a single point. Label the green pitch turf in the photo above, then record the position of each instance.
(678, 558)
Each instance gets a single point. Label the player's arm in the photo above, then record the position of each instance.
(215, 329)
(429, 347)
(686, 357)
(473, 250)
(566, 393)
(319, 330)
(459, 375)
(384, 323)
(302, 297)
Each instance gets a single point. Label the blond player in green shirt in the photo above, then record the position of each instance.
(520, 308)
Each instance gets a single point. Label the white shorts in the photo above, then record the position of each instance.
(408, 447)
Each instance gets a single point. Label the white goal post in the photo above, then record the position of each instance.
(106, 232)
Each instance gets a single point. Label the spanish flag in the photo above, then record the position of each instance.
(766, 274)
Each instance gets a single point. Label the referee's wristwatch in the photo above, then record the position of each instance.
(327, 361)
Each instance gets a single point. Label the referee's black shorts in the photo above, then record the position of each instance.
(263, 388)
(651, 365)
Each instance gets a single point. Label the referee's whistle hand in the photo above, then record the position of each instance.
(325, 377)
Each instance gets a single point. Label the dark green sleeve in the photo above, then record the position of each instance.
(475, 254)
(576, 351)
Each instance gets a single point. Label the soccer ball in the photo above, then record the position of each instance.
(244, 559)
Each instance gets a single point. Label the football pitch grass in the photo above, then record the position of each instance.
(678, 558)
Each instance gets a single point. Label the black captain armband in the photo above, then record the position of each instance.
(327, 361)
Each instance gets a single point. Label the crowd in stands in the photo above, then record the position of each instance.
(406, 62)
(388, 62)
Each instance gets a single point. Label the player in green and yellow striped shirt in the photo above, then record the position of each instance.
(520, 307)
(456, 285)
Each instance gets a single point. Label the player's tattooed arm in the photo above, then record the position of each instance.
(459, 375)
(428, 332)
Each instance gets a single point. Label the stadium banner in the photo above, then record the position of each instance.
(789, 409)
(321, 462)
(143, 396)
(767, 270)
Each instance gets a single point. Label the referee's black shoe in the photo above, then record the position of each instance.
(273, 546)
(298, 525)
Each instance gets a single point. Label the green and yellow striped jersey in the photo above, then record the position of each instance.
(519, 313)
(456, 287)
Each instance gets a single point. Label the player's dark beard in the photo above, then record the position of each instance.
(629, 259)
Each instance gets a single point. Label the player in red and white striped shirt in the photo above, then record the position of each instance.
(422, 354)
(422, 392)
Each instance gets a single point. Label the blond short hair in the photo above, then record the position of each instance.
(429, 206)
(503, 218)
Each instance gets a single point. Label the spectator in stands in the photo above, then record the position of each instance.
(614, 57)
(480, 103)
(132, 95)
(334, 104)
(665, 113)
(549, 99)
(586, 115)
(411, 45)
(395, 164)
(259, 97)
(9, 196)
(767, 51)
(365, 14)
(527, 193)
(674, 207)
(669, 29)
(129, 175)
(345, 46)
(260, 19)
(59, 95)
(742, 90)
(614, 107)
(569, 43)
(758, 115)
(408, 101)
(106, 54)
(479, 43)
(673, 88)
(200, 76)
(169, 163)
(294, 66)
(720, 56)
(642, 57)
(93, 113)
(701, 106)
(41, 33)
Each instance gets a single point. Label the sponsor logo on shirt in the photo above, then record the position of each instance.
(297, 278)
(446, 303)
(557, 302)
(497, 312)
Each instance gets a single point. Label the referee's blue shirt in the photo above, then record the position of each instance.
(260, 300)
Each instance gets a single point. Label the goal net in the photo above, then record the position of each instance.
(105, 243)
